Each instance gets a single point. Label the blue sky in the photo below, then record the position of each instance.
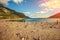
(25, 6)
(34, 8)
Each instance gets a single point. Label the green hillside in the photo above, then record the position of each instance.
(6, 13)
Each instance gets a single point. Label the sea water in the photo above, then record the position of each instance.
(40, 20)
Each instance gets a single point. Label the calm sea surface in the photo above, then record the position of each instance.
(40, 19)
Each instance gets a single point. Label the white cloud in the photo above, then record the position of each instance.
(28, 14)
(4, 1)
(40, 14)
(48, 8)
(17, 1)
(52, 4)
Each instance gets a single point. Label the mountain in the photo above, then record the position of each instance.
(57, 15)
(6, 13)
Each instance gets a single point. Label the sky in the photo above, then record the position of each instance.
(34, 8)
